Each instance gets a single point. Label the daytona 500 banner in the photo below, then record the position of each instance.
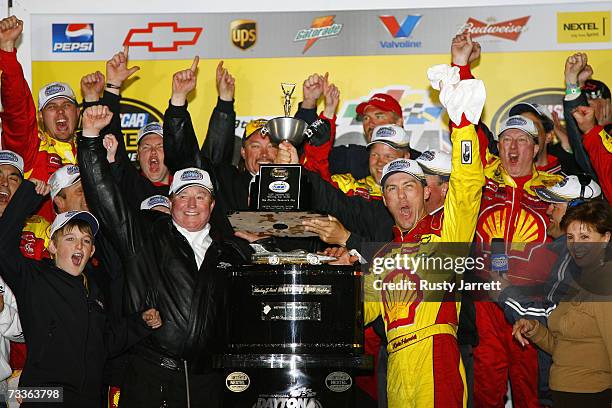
(524, 51)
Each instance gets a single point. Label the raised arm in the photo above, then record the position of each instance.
(118, 220)
(15, 268)
(181, 148)
(218, 145)
(19, 126)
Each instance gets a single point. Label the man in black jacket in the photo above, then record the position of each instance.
(171, 262)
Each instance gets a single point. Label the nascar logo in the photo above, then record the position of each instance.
(9, 156)
(54, 89)
(76, 37)
(192, 175)
(386, 132)
(72, 170)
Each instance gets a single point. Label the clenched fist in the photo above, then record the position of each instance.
(152, 318)
(183, 82)
(92, 86)
(10, 30)
(313, 89)
(96, 118)
(464, 51)
(585, 118)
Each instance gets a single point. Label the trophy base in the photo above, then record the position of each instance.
(277, 223)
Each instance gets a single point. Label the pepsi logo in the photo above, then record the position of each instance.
(79, 30)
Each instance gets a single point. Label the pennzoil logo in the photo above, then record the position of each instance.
(243, 33)
(134, 115)
(550, 98)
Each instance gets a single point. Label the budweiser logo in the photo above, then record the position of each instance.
(509, 30)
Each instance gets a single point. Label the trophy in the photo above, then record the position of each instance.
(286, 127)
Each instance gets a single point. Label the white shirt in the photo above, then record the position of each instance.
(199, 241)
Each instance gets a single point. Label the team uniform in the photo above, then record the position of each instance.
(425, 368)
(598, 145)
(512, 211)
(42, 154)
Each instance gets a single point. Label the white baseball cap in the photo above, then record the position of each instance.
(568, 189)
(12, 159)
(63, 218)
(391, 135)
(521, 123)
(435, 162)
(153, 127)
(190, 176)
(407, 166)
(154, 201)
(55, 90)
(63, 177)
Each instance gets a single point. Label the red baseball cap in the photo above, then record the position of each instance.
(382, 101)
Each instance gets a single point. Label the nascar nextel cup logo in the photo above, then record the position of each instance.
(243, 33)
(77, 37)
(321, 27)
(508, 30)
(162, 37)
(400, 31)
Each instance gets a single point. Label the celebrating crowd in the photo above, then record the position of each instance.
(112, 280)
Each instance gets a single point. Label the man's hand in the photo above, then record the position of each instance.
(464, 51)
(521, 329)
(342, 255)
(92, 86)
(10, 30)
(95, 118)
(226, 83)
(312, 90)
(152, 318)
(184, 82)
(287, 154)
(110, 144)
(330, 230)
(585, 118)
(332, 98)
(117, 70)
(574, 65)
(40, 186)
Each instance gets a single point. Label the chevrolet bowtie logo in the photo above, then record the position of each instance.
(162, 37)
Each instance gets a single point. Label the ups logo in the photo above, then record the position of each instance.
(244, 33)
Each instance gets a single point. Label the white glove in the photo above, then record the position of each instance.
(458, 97)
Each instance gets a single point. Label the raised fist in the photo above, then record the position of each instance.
(10, 30)
(92, 86)
(96, 118)
(464, 51)
(184, 82)
(152, 318)
(585, 118)
(574, 65)
(313, 89)
(117, 70)
(226, 85)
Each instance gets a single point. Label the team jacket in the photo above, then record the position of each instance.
(63, 317)
(408, 316)
(598, 145)
(515, 214)
(42, 154)
(316, 159)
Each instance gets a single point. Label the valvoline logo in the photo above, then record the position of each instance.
(401, 31)
(76, 37)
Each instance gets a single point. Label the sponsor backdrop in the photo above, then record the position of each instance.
(524, 50)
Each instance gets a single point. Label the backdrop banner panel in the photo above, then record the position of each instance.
(524, 52)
